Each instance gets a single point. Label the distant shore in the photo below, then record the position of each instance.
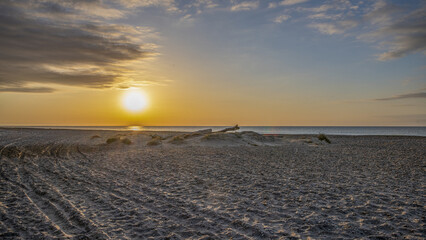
(101, 184)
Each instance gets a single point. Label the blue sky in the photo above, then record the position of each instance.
(358, 62)
(336, 41)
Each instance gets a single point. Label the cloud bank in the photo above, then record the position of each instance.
(63, 42)
(399, 30)
(408, 35)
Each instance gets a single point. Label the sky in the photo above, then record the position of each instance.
(213, 62)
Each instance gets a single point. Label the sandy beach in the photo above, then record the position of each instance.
(70, 184)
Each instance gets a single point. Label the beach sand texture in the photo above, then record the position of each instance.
(58, 184)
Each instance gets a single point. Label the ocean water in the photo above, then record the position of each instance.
(395, 131)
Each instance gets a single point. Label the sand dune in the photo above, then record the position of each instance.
(70, 184)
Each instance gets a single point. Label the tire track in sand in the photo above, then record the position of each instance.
(51, 203)
(184, 212)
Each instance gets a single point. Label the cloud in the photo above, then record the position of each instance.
(324, 16)
(38, 47)
(382, 13)
(399, 29)
(281, 18)
(244, 6)
(403, 96)
(408, 35)
(272, 5)
(337, 27)
(169, 5)
(334, 6)
(188, 18)
(28, 90)
(334, 17)
(322, 8)
(326, 28)
(205, 3)
(72, 9)
(292, 2)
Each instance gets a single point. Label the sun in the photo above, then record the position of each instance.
(135, 101)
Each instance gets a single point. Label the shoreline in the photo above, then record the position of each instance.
(185, 132)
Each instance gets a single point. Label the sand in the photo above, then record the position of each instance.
(59, 184)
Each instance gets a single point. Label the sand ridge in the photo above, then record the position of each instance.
(64, 184)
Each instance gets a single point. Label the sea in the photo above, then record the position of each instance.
(336, 130)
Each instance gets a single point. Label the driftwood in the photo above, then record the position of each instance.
(197, 133)
(202, 132)
(234, 128)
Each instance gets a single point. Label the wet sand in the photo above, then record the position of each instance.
(59, 184)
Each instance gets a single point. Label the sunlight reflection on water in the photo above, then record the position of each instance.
(134, 128)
